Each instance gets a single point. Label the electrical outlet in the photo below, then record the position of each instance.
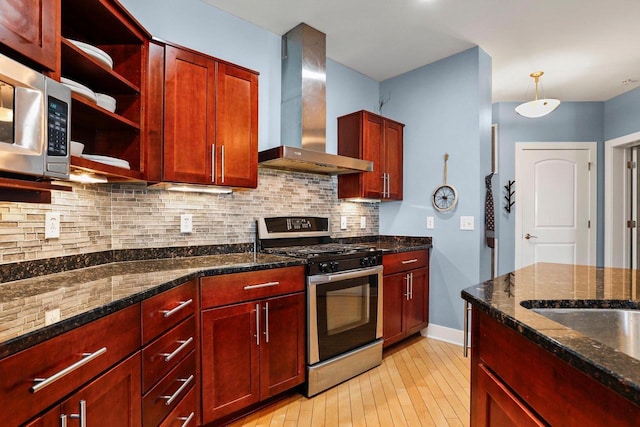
(186, 223)
(430, 223)
(466, 223)
(52, 225)
(51, 316)
(343, 223)
(363, 222)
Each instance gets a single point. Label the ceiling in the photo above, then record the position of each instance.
(588, 49)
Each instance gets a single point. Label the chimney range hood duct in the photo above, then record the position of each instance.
(303, 110)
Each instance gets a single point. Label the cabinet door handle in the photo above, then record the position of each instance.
(411, 286)
(44, 382)
(388, 185)
(465, 345)
(261, 285)
(82, 415)
(181, 305)
(63, 420)
(222, 161)
(186, 420)
(257, 324)
(409, 261)
(185, 383)
(174, 353)
(266, 321)
(406, 295)
(213, 162)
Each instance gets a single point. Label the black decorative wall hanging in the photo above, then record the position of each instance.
(509, 197)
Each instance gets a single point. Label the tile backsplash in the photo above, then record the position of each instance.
(132, 216)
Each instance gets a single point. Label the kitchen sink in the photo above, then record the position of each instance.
(617, 328)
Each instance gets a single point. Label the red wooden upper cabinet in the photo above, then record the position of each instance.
(28, 27)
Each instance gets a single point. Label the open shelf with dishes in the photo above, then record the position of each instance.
(103, 55)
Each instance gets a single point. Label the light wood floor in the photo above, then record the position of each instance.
(422, 382)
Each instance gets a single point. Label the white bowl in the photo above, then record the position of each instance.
(107, 102)
(76, 148)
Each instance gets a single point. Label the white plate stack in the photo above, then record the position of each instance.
(80, 89)
(107, 102)
(94, 52)
(112, 161)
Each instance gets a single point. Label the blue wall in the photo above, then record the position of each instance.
(571, 122)
(446, 107)
(622, 115)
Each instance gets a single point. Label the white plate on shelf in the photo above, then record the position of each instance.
(112, 161)
(107, 102)
(95, 52)
(80, 89)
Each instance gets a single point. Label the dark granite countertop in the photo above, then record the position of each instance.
(87, 287)
(508, 299)
(86, 294)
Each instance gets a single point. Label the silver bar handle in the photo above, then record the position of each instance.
(181, 305)
(63, 420)
(410, 261)
(185, 383)
(406, 295)
(257, 324)
(82, 415)
(384, 183)
(261, 285)
(174, 353)
(186, 420)
(467, 310)
(86, 358)
(222, 161)
(411, 286)
(213, 162)
(266, 321)
(388, 185)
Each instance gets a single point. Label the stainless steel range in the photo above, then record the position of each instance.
(344, 297)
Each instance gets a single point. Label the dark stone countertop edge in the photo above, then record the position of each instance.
(611, 379)
(31, 339)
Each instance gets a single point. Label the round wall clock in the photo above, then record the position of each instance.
(445, 196)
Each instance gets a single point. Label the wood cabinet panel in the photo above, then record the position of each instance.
(282, 352)
(167, 351)
(165, 396)
(163, 311)
(117, 333)
(29, 28)
(230, 359)
(554, 390)
(232, 288)
(394, 296)
(368, 136)
(237, 127)
(417, 311)
(189, 127)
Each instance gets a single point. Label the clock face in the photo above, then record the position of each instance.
(444, 198)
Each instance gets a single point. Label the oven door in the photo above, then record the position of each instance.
(344, 312)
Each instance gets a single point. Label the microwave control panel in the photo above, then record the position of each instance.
(57, 127)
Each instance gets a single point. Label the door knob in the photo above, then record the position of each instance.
(529, 236)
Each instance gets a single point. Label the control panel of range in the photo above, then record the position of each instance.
(344, 263)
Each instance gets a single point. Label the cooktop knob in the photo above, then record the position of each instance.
(324, 267)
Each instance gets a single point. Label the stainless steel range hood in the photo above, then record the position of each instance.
(303, 110)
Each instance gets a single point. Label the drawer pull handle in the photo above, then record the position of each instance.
(410, 261)
(261, 285)
(63, 420)
(186, 420)
(174, 353)
(173, 311)
(44, 382)
(82, 414)
(185, 383)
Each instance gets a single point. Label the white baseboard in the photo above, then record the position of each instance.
(442, 333)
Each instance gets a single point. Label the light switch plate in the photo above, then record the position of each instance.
(343, 222)
(363, 222)
(52, 225)
(51, 316)
(430, 223)
(466, 223)
(186, 223)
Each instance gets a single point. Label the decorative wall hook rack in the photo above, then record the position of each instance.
(509, 188)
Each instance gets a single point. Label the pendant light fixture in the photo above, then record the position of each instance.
(537, 107)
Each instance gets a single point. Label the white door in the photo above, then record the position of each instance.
(555, 203)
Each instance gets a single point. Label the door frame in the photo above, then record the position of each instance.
(616, 203)
(592, 147)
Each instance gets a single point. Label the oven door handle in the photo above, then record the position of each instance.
(334, 277)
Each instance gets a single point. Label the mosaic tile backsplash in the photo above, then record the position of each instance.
(97, 218)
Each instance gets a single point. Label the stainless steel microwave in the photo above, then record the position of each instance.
(35, 116)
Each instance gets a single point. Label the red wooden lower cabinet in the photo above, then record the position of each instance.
(515, 382)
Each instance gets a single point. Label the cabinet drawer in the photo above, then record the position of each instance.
(237, 287)
(165, 352)
(67, 361)
(404, 261)
(185, 413)
(167, 309)
(166, 395)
